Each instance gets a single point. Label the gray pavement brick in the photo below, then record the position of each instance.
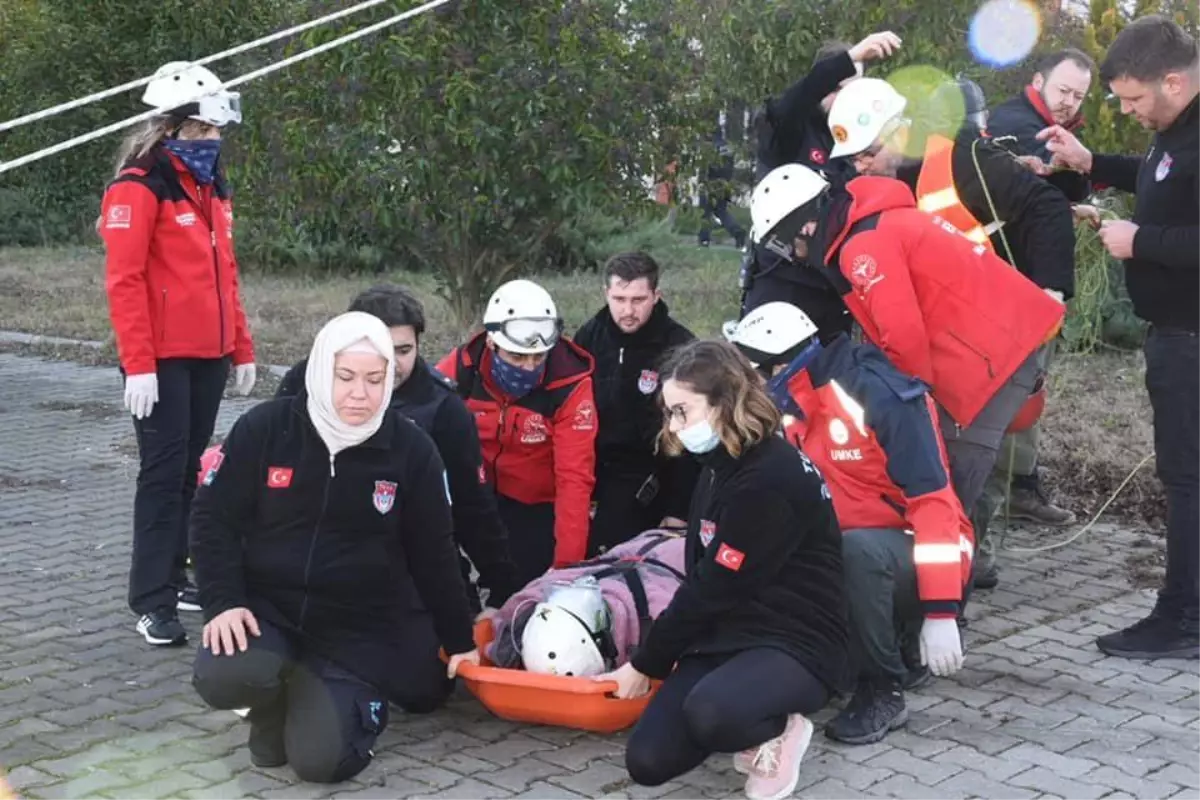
(1066, 766)
(470, 789)
(546, 791)
(84, 786)
(79, 690)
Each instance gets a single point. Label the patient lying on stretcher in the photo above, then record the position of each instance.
(587, 619)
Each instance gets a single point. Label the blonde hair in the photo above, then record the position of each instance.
(745, 413)
(150, 134)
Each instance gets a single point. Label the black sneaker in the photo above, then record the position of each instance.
(875, 709)
(986, 575)
(161, 628)
(189, 598)
(266, 737)
(1156, 636)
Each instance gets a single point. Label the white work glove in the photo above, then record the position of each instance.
(1056, 294)
(941, 646)
(141, 393)
(244, 376)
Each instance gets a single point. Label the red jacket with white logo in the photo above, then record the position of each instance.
(540, 448)
(873, 433)
(942, 308)
(171, 273)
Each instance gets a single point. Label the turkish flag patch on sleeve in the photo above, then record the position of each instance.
(729, 557)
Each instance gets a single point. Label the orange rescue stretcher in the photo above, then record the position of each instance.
(567, 702)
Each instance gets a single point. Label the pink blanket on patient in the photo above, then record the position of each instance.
(660, 581)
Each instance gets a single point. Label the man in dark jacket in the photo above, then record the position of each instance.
(430, 399)
(717, 193)
(792, 128)
(1054, 96)
(1153, 68)
(981, 190)
(636, 488)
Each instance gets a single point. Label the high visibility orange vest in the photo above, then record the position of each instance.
(936, 193)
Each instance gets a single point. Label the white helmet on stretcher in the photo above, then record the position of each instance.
(861, 114)
(188, 86)
(563, 633)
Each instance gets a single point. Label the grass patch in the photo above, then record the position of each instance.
(1097, 426)
(60, 292)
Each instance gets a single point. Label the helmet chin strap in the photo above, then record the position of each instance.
(778, 385)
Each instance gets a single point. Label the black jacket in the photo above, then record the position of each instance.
(1039, 226)
(764, 559)
(792, 129)
(626, 384)
(1023, 117)
(338, 560)
(1163, 277)
(431, 400)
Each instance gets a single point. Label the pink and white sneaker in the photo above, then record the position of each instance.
(743, 762)
(775, 769)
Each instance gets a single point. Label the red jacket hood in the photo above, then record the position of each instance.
(870, 195)
(1034, 97)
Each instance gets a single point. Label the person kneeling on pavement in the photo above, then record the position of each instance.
(587, 619)
(326, 566)
(755, 638)
(906, 541)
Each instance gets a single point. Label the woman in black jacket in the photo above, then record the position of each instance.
(755, 639)
(326, 566)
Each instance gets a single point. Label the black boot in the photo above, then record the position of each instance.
(266, 735)
(1160, 635)
(876, 708)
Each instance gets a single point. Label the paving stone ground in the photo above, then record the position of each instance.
(86, 709)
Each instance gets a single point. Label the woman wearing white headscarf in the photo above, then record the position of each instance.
(326, 566)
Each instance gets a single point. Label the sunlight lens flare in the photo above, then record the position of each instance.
(1003, 32)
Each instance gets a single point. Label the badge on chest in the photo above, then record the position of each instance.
(647, 381)
(384, 497)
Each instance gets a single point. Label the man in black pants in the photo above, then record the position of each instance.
(1153, 68)
(636, 489)
(429, 399)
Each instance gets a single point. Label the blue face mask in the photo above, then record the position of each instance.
(516, 381)
(198, 155)
(778, 386)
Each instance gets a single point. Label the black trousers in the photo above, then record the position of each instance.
(170, 443)
(717, 208)
(620, 516)
(328, 718)
(718, 704)
(1173, 380)
(884, 604)
(530, 536)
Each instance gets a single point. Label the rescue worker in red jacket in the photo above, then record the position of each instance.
(982, 190)
(530, 390)
(172, 284)
(942, 308)
(906, 542)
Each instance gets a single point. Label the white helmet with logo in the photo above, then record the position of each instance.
(861, 113)
(521, 318)
(181, 84)
(782, 191)
(771, 334)
(561, 636)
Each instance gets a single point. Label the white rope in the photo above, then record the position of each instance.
(92, 98)
(249, 76)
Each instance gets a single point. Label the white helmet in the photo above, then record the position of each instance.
(782, 191)
(771, 334)
(181, 84)
(522, 318)
(861, 113)
(556, 642)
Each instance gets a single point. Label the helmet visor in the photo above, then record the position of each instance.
(219, 109)
(529, 333)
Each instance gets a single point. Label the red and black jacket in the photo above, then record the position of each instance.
(539, 448)
(171, 272)
(873, 433)
(1022, 118)
(942, 308)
